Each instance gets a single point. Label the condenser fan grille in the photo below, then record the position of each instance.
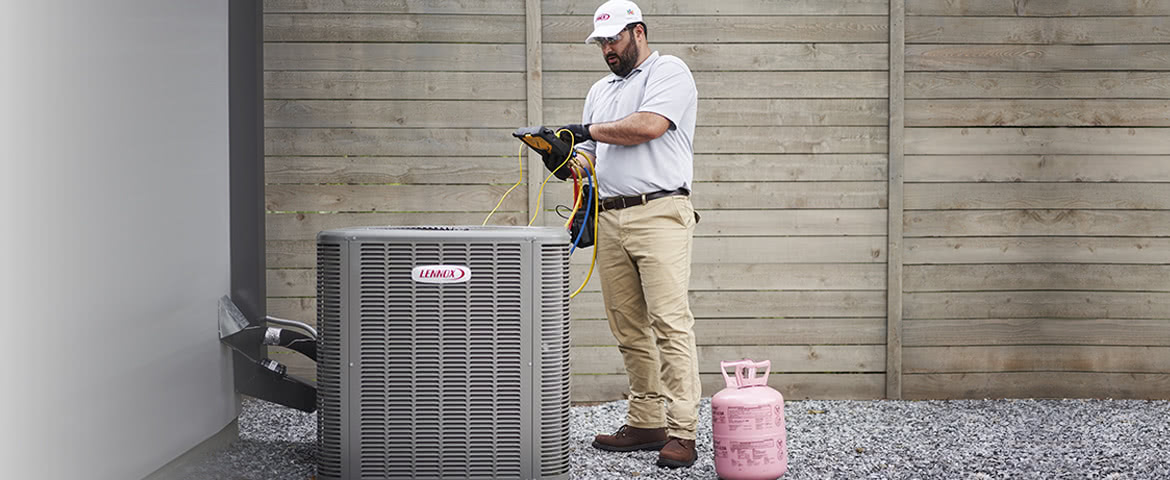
(329, 297)
(440, 363)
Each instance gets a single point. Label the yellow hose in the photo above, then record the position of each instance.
(520, 160)
(596, 214)
(576, 202)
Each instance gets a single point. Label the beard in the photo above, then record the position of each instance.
(626, 60)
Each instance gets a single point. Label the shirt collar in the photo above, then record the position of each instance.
(613, 78)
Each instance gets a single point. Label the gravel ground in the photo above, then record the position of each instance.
(966, 439)
(276, 443)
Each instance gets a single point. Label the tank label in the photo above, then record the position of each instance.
(750, 418)
(752, 453)
(441, 274)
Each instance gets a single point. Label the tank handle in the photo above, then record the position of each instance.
(751, 379)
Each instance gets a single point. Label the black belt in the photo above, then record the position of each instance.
(618, 203)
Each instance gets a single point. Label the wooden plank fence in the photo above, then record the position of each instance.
(1036, 158)
(900, 198)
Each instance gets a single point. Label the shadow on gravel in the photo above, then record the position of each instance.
(258, 460)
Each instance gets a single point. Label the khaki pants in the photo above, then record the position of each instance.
(644, 260)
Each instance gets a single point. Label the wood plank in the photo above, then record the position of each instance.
(1037, 222)
(394, 198)
(787, 250)
(770, 304)
(1038, 250)
(1032, 358)
(393, 113)
(395, 85)
(989, 305)
(292, 253)
(1044, 276)
(299, 309)
(1037, 385)
(757, 112)
(719, 57)
(735, 29)
(769, 276)
(291, 282)
(1035, 30)
(390, 141)
(764, 195)
(413, 170)
(794, 386)
(329, 27)
(808, 222)
(790, 140)
(481, 7)
(1050, 141)
(932, 196)
(1119, 196)
(786, 358)
(896, 202)
(791, 222)
(732, 7)
(749, 331)
(790, 167)
(713, 85)
(305, 226)
(1057, 85)
(491, 141)
(931, 57)
(1038, 331)
(534, 106)
(465, 57)
(1038, 168)
(1042, 113)
(1052, 8)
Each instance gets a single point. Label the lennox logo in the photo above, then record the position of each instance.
(441, 274)
(601, 18)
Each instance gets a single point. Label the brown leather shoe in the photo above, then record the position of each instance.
(677, 453)
(628, 439)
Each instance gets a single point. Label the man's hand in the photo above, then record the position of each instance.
(580, 133)
(555, 158)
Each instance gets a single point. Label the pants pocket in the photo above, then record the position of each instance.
(687, 215)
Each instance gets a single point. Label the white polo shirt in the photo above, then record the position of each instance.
(662, 85)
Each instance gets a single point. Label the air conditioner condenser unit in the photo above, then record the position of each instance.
(443, 353)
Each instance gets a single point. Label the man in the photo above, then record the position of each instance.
(639, 124)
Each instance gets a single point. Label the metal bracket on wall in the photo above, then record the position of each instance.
(261, 378)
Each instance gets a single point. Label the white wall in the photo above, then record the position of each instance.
(116, 235)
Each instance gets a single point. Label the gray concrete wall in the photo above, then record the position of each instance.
(116, 240)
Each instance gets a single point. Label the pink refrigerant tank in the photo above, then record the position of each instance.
(748, 422)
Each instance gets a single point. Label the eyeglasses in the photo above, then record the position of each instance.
(603, 41)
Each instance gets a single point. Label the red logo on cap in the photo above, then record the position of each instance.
(601, 18)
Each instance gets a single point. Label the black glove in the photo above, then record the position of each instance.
(580, 133)
(553, 151)
(555, 158)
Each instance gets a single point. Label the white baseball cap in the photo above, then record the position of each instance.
(612, 17)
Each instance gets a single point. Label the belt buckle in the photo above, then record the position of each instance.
(643, 199)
